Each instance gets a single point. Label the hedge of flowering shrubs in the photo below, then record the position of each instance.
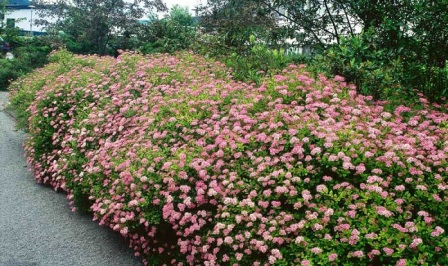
(197, 169)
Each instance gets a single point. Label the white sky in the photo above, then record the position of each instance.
(25, 13)
(184, 3)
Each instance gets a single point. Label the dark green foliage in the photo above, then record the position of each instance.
(236, 20)
(95, 26)
(28, 55)
(169, 37)
(386, 73)
(387, 48)
(360, 59)
(175, 32)
(9, 70)
(245, 36)
(258, 62)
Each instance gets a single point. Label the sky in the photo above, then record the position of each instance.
(189, 3)
(184, 3)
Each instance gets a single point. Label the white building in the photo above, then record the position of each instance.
(20, 13)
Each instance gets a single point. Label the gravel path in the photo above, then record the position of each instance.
(37, 227)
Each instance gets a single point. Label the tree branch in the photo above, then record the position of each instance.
(316, 37)
(352, 33)
(332, 21)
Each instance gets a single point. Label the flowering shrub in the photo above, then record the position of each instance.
(23, 91)
(195, 168)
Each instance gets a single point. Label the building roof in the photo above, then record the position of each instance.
(18, 4)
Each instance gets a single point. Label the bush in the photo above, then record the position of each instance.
(175, 32)
(252, 65)
(359, 59)
(9, 70)
(386, 73)
(195, 168)
(23, 91)
(430, 80)
(28, 55)
(257, 63)
(172, 37)
(209, 45)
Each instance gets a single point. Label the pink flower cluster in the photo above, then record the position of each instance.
(195, 168)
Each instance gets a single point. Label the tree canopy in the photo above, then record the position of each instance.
(91, 25)
(236, 21)
(175, 31)
(361, 38)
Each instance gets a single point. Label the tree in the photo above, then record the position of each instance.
(402, 42)
(175, 32)
(236, 21)
(181, 16)
(430, 20)
(90, 25)
(3, 13)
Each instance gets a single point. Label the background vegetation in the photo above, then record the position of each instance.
(29, 53)
(388, 49)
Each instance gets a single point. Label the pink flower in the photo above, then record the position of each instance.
(238, 256)
(321, 188)
(388, 251)
(316, 250)
(315, 151)
(263, 248)
(437, 198)
(344, 227)
(317, 227)
(333, 158)
(400, 188)
(437, 231)
(228, 240)
(327, 178)
(299, 239)
(371, 235)
(383, 211)
(360, 169)
(276, 253)
(305, 263)
(375, 252)
(276, 204)
(306, 195)
(339, 78)
(421, 187)
(351, 214)
(332, 256)
(401, 262)
(358, 254)
(166, 165)
(416, 242)
(423, 213)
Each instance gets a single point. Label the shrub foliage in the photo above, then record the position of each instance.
(29, 55)
(195, 168)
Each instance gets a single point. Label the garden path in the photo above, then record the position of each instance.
(37, 227)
